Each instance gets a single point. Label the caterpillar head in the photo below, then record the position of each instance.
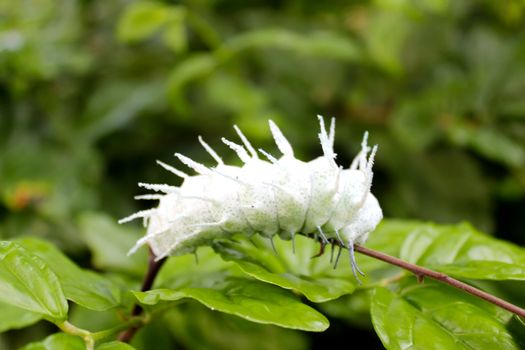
(364, 221)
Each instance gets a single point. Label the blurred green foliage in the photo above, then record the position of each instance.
(92, 92)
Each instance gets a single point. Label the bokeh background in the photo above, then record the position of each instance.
(93, 92)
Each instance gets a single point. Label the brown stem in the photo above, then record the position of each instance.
(422, 272)
(153, 269)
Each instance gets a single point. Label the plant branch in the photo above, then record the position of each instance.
(422, 272)
(86, 335)
(153, 269)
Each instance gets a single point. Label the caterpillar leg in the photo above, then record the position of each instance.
(196, 257)
(323, 241)
(338, 256)
(323, 236)
(352, 257)
(353, 263)
(321, 249)
(341, 243)
(273, 245)
(332, 251)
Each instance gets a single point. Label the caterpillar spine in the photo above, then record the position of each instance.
(283, 196)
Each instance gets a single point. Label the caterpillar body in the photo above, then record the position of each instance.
(284, 196)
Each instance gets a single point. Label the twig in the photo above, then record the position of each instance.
(153, 269)
(86, 335)
(422, 272)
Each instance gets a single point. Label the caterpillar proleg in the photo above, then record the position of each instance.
(281, 195)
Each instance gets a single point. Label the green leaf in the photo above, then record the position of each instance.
(464, 252)
(174, 35)
(58, 341)
(220, 285)
(27, 282)
(390, 235)
(197, 327)
(195, 67)
(144, 19)
(321, 44)
(315, 278)
(12, 317)
(156, 333)
(116, 104)
(141, 20)
(115, 345)
(84, 287)
(250, 102)
(489, 142)
(252, 300)
(95, 320)
(185, 270)
(110, 244)
(387, 53)
(435, 316)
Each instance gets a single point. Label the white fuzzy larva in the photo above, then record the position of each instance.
(284, 196)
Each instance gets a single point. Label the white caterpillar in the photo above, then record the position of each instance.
(282, 196)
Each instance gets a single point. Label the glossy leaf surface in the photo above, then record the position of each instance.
(27, 282)
(434, 316)
(84, 287)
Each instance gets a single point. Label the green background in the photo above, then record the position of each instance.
(93, 92)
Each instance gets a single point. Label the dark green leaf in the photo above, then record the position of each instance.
(435, 316)
(12, 317)
(110, 244)
(58, 341)
(27, 282)
(84, 287)
(490, 143)
(195, 67)
(516, 327)
(116, 104)
(156, 333)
